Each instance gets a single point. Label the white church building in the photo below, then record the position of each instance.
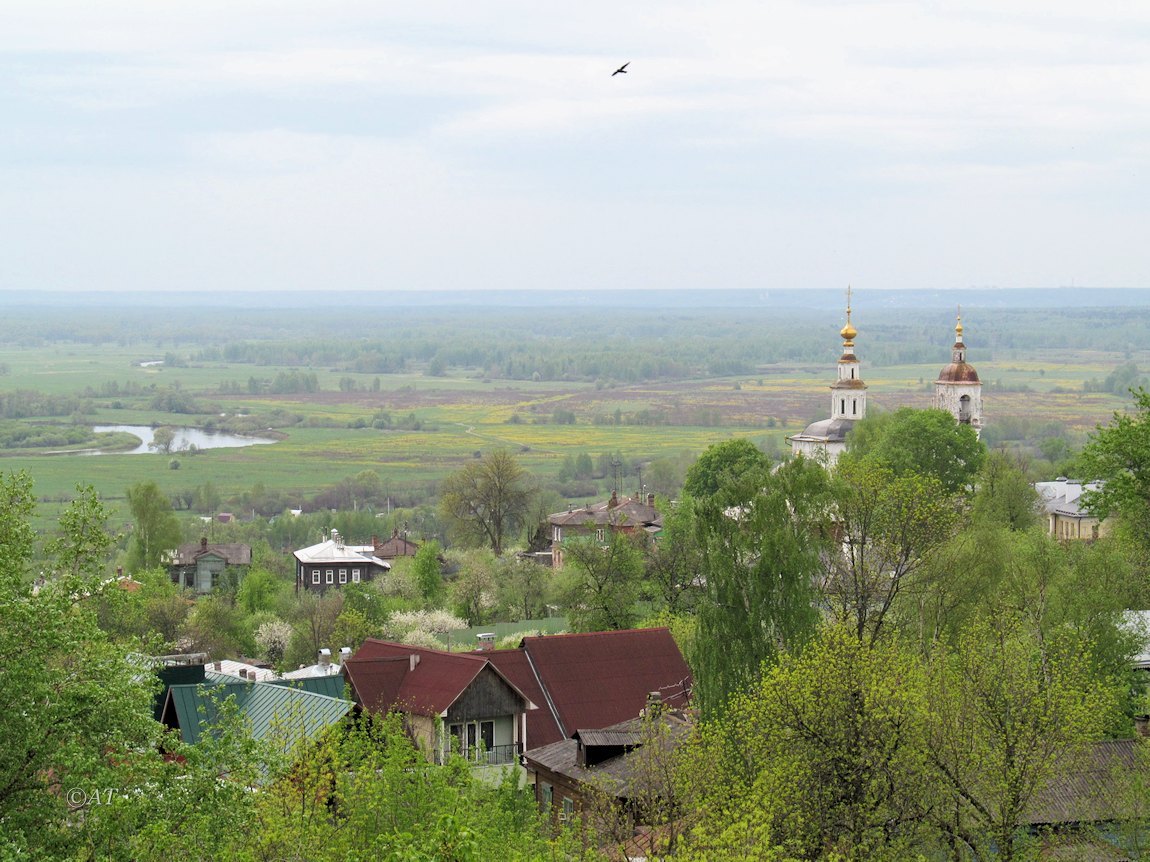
(957, 391)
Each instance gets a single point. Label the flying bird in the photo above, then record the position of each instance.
(622, 69)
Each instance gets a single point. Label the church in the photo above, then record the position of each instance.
(957, 391)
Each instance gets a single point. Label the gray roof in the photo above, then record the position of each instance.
(1062, 496)
(336, 551)
(827, 431)
(562, 757)
(1097, 789)
(232, 553)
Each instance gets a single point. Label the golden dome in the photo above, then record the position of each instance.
(848, 332)
(958, 327)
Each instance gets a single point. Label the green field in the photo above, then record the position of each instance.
(439, 422)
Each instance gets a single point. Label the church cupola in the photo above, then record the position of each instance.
(958, 390)
(848, 392)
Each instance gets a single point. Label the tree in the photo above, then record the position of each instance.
(721, 464)
(428, 574)
(156, 530)
(601, 583)
(162, 439)
(760, 560)
(74, 704)
(473, 588)
(487, 500)
(887, 525)
(1009, 712)
(919, 442)
(1119, 456)
(675, 563)
(826, 753)
(1003, 495)
(522, 586)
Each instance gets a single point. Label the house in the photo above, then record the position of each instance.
(593, 680)
(397, 546)
(332, 563)
(617, 760)
(1061, 502)
(198, 566)
(565, 682)
(458, 702)
(282, 714)
(627, 515)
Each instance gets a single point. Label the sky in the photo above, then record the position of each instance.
(290, 145)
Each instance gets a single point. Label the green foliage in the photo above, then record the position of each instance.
(760, 561)
(74, 705)
(259, 591)
(1009, 712)
(1119, 455)
(427, 570)
(722, 464)
(888, 525)
(926, 443)
(156, 528)
(1003, 494)
(487, 501)
(601, 583)
(826, 754)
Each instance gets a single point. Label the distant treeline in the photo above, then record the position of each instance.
(581, 343)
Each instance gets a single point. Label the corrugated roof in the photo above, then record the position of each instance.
(626, 512)
(331, 686)
(1093, 790)
(562, 757)
(279, 713)
(601, 678)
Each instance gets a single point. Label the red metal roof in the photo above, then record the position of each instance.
(576, 682)
(542, 726)
(382, 676)
(601, 678)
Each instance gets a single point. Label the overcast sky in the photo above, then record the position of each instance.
(457, 144)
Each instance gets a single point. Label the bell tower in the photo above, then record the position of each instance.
(958, 390)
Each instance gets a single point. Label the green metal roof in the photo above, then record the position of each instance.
(331, 685)
(281, 714)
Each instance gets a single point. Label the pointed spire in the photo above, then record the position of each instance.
(958, 327)
(848, 332)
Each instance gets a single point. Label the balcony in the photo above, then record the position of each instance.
(497, 755)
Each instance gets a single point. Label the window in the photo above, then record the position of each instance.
(852, 374)
(843, 406)
(545, 795)
(343, 576)
(329, 576)
(599, 535)
(315, 576)
(355, 576)
(557, 534)
(568, 809)
(215, 579)
(854, 407)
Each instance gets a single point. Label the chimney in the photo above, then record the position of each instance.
(219, 666)
(203, 543)
(651, 500)
(324, 657)
(654, 704)
(412, 661)
(1142, 725)
(614, 501)
(486, 641)
(344, 654)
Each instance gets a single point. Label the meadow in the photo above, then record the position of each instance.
(414, 426)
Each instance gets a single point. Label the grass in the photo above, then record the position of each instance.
(465, 413)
